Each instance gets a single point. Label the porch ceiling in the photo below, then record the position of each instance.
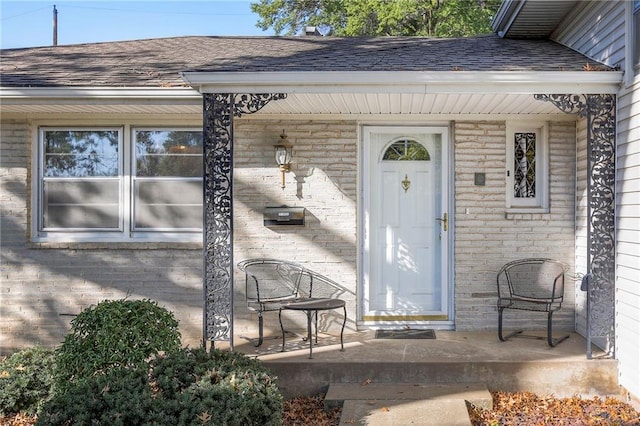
(297, 104)
(407, 104)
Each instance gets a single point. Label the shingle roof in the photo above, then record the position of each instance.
(158, 62)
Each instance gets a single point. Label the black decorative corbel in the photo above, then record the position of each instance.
(599, 111)
(218, 112)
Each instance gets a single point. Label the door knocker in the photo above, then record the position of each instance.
(406, 183)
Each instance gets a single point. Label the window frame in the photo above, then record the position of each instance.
(126, 209)
(539, 203)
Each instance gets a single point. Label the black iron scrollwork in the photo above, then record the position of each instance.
(599, 111)
(218, 112)
(254, 102)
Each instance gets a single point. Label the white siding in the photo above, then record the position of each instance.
(628, 238)
(596, 29)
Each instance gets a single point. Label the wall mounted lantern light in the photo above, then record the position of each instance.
(283, 156)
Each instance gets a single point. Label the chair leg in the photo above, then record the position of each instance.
(508, 336)
(344, 322)
(281, 328)
(550, 340)
(260, 332)
(316, 324)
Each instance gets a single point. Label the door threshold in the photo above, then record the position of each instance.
(396, 318)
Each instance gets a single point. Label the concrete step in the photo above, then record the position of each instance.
(405, 412)
(454, 357)
(381, 404)
(475, 393)
(563, 378)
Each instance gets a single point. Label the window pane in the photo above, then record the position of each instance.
(168, 153)
(75, 153)
(406, 150)
(168, 204)
(524, 174)
(81, 204)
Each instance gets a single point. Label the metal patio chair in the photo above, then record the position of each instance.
(271, 283)
(531, 285)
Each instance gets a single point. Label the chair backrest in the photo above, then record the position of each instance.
(313, 284)
(270, 278)
(541, 279)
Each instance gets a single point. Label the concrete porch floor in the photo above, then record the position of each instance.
(520, 364)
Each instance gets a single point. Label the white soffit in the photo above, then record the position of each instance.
(406, 104)
(115, 108)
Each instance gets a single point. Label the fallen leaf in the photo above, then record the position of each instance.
(530, 409)
(366, 382)
(385, 409)
(204, 417)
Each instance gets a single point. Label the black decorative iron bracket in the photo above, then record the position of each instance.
(599, 111)
(219, 109)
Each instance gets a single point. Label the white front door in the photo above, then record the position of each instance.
(405, 229)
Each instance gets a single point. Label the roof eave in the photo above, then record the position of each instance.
(87, 93)
(506, 14)
(406, 82)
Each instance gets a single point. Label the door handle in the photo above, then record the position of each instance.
(444, 220)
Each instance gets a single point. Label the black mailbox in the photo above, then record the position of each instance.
(275, 216)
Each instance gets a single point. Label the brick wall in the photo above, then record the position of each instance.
(486, 237)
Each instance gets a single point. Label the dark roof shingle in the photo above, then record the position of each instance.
(158, 62)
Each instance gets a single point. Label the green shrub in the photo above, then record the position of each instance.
(223, 388)
(115, 334)
(118, 396)
(26, 379)
(187, 387)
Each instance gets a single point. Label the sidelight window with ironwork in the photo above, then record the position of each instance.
(527, 180)
(524, 164)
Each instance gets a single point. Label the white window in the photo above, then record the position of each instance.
(112, 184)
(527, 168)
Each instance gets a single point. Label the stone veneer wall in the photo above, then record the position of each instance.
(323, 180)
(41, 282)
(486, 237)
